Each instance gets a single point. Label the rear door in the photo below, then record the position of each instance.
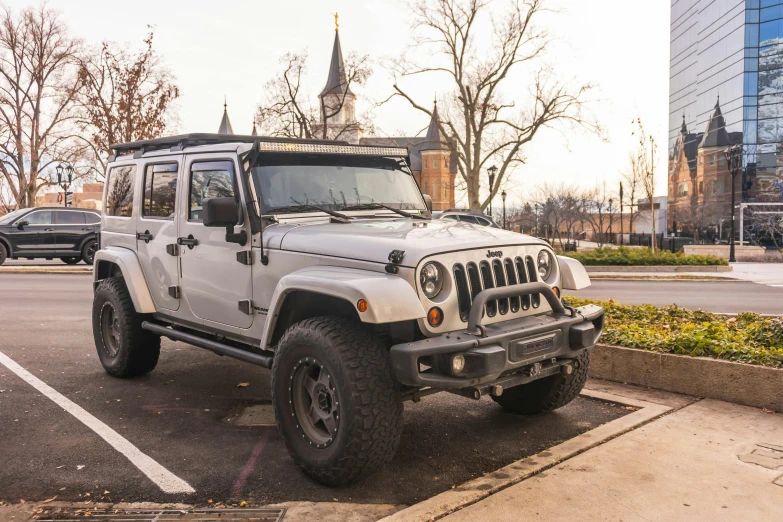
(213, 282)
(156, 232)
(70, 228)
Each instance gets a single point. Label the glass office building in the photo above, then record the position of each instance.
(725, 87)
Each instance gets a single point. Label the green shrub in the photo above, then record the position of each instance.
(641, 257)
(748, 338)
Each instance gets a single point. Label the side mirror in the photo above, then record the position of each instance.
(223, 212)
(428, 201)
(21, 224)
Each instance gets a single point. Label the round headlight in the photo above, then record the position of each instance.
(431, 279)
(544, 264)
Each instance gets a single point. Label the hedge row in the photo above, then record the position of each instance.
(641, 257)
(748, 337)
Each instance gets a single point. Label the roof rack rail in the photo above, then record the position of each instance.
(188, 140)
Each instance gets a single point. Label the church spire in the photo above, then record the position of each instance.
(715, 134)
(434, 139)
(225, 123)
(255, 132)
(684, 128)
(336, 82)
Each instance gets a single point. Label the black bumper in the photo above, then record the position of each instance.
(498, 349)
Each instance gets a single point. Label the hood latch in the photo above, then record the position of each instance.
(395, 258)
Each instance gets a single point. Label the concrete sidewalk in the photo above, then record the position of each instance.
(763, 273)
(710, 460)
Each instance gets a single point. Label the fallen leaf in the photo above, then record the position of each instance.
(49, 499)
(765, 410)
(106, 492)
(80, 466)
(243, 385)
(243, 504)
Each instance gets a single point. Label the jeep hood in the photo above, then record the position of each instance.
(373, 239)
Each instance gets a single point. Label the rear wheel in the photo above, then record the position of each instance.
(88, 252)
(124, 348)
(70, 260)
(547, 394)
(336, 401)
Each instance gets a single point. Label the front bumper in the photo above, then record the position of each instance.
(500, 348)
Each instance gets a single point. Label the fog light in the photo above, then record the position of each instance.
(435, 316)
(457, 363)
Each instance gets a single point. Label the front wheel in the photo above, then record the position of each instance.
(547, 394)
(336, 402)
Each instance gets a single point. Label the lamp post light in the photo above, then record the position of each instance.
(535, 234)
(492, 171)
(65, 185)
(734, 163)
(610, 219)
(503, 197)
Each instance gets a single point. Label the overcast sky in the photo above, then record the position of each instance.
(233, 47)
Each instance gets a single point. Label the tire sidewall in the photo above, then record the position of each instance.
(104, 295)
(3, 254)
(85, 257)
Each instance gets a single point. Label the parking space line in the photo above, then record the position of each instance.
(163, 478)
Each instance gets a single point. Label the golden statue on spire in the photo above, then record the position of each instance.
(336, 22)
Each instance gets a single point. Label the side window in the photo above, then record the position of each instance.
(92, 218)
(469, 219)
(484, 222)
(209, 179)
(119, 191)
(42, 217)
(63, 217)
(450, 216)
(160, 190)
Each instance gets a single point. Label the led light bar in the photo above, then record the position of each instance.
(332, 149)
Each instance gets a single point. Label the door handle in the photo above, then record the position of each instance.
(146, 236)
(189, 241)
(48, 230)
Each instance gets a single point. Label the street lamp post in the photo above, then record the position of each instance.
(65, 185)
(734, 162)
(503, 197)
(535, 234)
(610, 220)
(492, 171)
(622, 239)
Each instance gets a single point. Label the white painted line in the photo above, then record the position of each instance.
(165, 479)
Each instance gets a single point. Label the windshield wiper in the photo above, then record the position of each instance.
(387, 207)
(293, 208)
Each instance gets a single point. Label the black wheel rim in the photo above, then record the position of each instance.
(315, 404)
(110, 330)
(91, 248)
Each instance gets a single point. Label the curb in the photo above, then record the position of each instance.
(747, 384)
(480, 488)
(45, 270)
(657, 268)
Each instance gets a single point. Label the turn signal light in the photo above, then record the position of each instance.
(362, 305)
(435, 316)
(556, 290)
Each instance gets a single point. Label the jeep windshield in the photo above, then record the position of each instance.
(286, 184)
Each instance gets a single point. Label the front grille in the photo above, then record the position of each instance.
(471, 279)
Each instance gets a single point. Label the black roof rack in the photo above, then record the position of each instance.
(189, 140)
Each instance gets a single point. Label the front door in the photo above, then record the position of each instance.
(213, 282)
(156, 233)
(37, 236)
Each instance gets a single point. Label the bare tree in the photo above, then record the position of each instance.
(598, 211)
(126, 96)
(38, 84)
(644, 158)
(482, 125)
(562, 209)
(634, 181)
(287, 109)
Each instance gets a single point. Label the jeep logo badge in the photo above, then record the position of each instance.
(496, 253)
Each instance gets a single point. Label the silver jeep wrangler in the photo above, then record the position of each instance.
(319, 260)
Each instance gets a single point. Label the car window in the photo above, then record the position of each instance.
(469, 219)
(42, 217)
(92, 218)
(450, 216)
(63, 217)
(209, 179)
(160, 190)
(119, 192)
(6, 219)
(484, 222)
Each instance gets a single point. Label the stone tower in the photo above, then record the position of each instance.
(337, 102)
(437, 176)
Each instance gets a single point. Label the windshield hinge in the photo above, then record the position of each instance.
(245, 257)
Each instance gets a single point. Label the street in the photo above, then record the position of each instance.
(184, 416)
(712, 296)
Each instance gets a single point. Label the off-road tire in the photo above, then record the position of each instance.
(368, 398)
(127, 350)
(547, 394)
(70, 260)
(88, 252)
(3, 254)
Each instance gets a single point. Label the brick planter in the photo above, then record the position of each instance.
(661, 268)
(746, 384)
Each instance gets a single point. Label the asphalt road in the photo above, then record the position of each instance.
(183, 415)
(712, 296)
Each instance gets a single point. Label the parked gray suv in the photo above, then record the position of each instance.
(320, 261)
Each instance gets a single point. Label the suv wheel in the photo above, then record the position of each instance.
(336, 402)
(3, 254)
(70, 260)
(88, 252)
(124, 348)
(547, 394)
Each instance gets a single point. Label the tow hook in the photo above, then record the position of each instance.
(535, 369)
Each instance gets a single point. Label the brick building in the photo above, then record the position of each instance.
(90, 196)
